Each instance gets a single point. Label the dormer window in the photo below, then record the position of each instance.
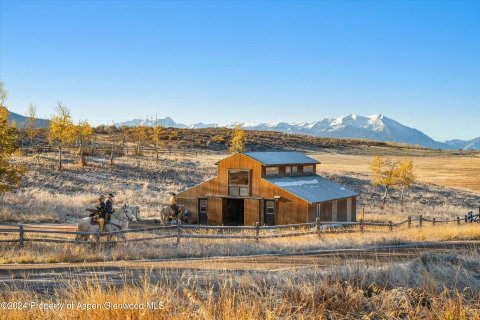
(272, 171)
(291, 169)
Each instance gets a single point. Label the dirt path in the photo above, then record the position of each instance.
(44, 277)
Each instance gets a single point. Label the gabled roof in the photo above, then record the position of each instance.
(312, 188)
(281, 157)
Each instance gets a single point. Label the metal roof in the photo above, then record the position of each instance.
(281, 157)
(312, 188)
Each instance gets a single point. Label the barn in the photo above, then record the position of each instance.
(271, 188)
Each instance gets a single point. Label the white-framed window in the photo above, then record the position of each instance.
(272, 171)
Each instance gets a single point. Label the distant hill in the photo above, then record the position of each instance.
(374, 128)
(22, 121)
(473, 144)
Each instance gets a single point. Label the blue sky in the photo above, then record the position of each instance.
(417, 62)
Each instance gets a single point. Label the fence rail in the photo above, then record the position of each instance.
(118, 150)
(187, 231)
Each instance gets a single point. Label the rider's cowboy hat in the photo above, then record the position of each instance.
(111, 195)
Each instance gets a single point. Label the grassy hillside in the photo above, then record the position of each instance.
(217, 139)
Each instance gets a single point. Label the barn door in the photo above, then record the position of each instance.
(202, 211)
(269, 212)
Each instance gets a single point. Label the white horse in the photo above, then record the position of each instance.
(118, 221)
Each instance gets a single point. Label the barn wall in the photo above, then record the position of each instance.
(342, 210)
(251, 211)
(326, 212)
(312, 212)
(192, 206)
(215, 207)
(354, 208)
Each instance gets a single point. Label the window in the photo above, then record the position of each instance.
(308, 169)
(291, 170)
(203, 205)
(272, 171)
(269, 217)
(270, 207)
(239, 183)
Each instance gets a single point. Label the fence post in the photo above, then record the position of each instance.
(21, 231)
(409, 221)
(179, 230)
(433, 221)
(317, 222)
(361, 225)
(257, 230)
(421, 221)
(458, 220)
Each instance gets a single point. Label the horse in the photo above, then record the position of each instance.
(167, 213)
(119, 220)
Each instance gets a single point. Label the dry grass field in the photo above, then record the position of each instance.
(432, 286)
(449, 171)
(223, 279)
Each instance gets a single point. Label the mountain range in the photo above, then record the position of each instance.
(377, 127)
(22, 121)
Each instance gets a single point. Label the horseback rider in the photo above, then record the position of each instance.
(101, 209)
(173, 203)
(109, 205)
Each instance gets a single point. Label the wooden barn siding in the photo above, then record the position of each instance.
(290, 209)
(189, 197)
(354, 209)
(215, 208)
(251, 211)
(342, 210)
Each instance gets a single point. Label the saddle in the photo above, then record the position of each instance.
(93, 212)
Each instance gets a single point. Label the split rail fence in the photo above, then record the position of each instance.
(22, 234)
(118, 150)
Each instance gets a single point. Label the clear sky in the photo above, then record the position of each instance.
(417, 62)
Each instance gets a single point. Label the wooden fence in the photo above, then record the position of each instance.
(20, 232)
(118, 150)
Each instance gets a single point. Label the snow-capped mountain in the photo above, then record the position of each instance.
(165, 122)
(377, 127)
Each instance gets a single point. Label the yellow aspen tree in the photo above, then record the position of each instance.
(62, 130)
(10, 174)
(237, 143)
(405, 175)
(156, 137)
(140, 134)
(383, 173)
(83, 133)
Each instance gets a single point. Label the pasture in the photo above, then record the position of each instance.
(398, 274)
